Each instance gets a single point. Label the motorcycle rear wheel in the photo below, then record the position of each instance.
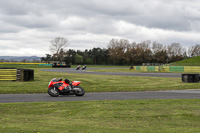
(53, 92)
(79, 93)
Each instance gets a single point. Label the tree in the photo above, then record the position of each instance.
(43, 59)
(57, 44)
(130, 54)
(159, 53)
(194, 50)
(46, 59)
(175, 52)
(117, 49)
(175, 49)
(70, 58)
(78, 59)
(97, 55)
(24, 60)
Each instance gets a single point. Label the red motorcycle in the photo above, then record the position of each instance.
(59, 87)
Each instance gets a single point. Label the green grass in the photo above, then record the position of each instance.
(96, 83)
(23, 66)
(194, 61)
(126, 69)
(43, 66)
(126, 116)
(152, 116)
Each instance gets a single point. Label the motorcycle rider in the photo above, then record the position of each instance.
(78, 67)
(84, 67)
(68, 82)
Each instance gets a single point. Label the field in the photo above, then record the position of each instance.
(152, 116)
(194, 61)
(96, 83)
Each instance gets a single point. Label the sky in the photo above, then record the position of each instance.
(27, 27)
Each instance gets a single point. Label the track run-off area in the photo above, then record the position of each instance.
(174, 94)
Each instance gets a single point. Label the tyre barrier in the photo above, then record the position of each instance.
(190, 78)
(25, 74)
(56, 65)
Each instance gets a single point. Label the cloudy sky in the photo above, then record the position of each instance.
(28, 26)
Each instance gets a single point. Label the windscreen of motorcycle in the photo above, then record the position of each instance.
(52, 80)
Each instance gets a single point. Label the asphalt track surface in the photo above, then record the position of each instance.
(72, 70)
(174, 94)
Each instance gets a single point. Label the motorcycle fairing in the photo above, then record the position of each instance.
(61, 86)
(76, 83)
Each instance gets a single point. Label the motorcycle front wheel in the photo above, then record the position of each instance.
(53, 92)
(79, 93)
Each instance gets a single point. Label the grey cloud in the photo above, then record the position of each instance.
(172, 15)
(99, 20)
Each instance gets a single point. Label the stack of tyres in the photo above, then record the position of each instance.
(190, 78)
(28, 74)
(25, 74)
(31, 74)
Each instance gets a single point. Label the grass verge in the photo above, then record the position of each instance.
(96, 83)
(114, 70)
(152, 116)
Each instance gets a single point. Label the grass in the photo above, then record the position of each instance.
(114, 70)
(22, 66)
(43, 66)
(96, 83)
(93, 83)
(152, 116)
(194, 61)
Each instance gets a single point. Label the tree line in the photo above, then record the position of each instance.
(123, 52)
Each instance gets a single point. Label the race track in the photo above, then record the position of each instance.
(176, 94)
(72, 70)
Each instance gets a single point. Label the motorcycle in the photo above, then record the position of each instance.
(59, 87)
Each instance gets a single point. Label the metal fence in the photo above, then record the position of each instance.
(171, 64)
(182, 69)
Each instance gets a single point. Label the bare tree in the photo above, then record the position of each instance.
(144, 51)
(144, 45)
(194, 50)
(57, 44)
(157, 47)
(117, 49)
(175, 49)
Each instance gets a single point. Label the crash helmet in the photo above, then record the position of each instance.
(67, 81)
(60, 79)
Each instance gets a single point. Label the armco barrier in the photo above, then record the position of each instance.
(138, 68)
(176, 68)
(55, 65)
(191, 69)
(8, 74)
(151, 68)
(185, 69)
(144, 68)
(164, 69)
(157, 68)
